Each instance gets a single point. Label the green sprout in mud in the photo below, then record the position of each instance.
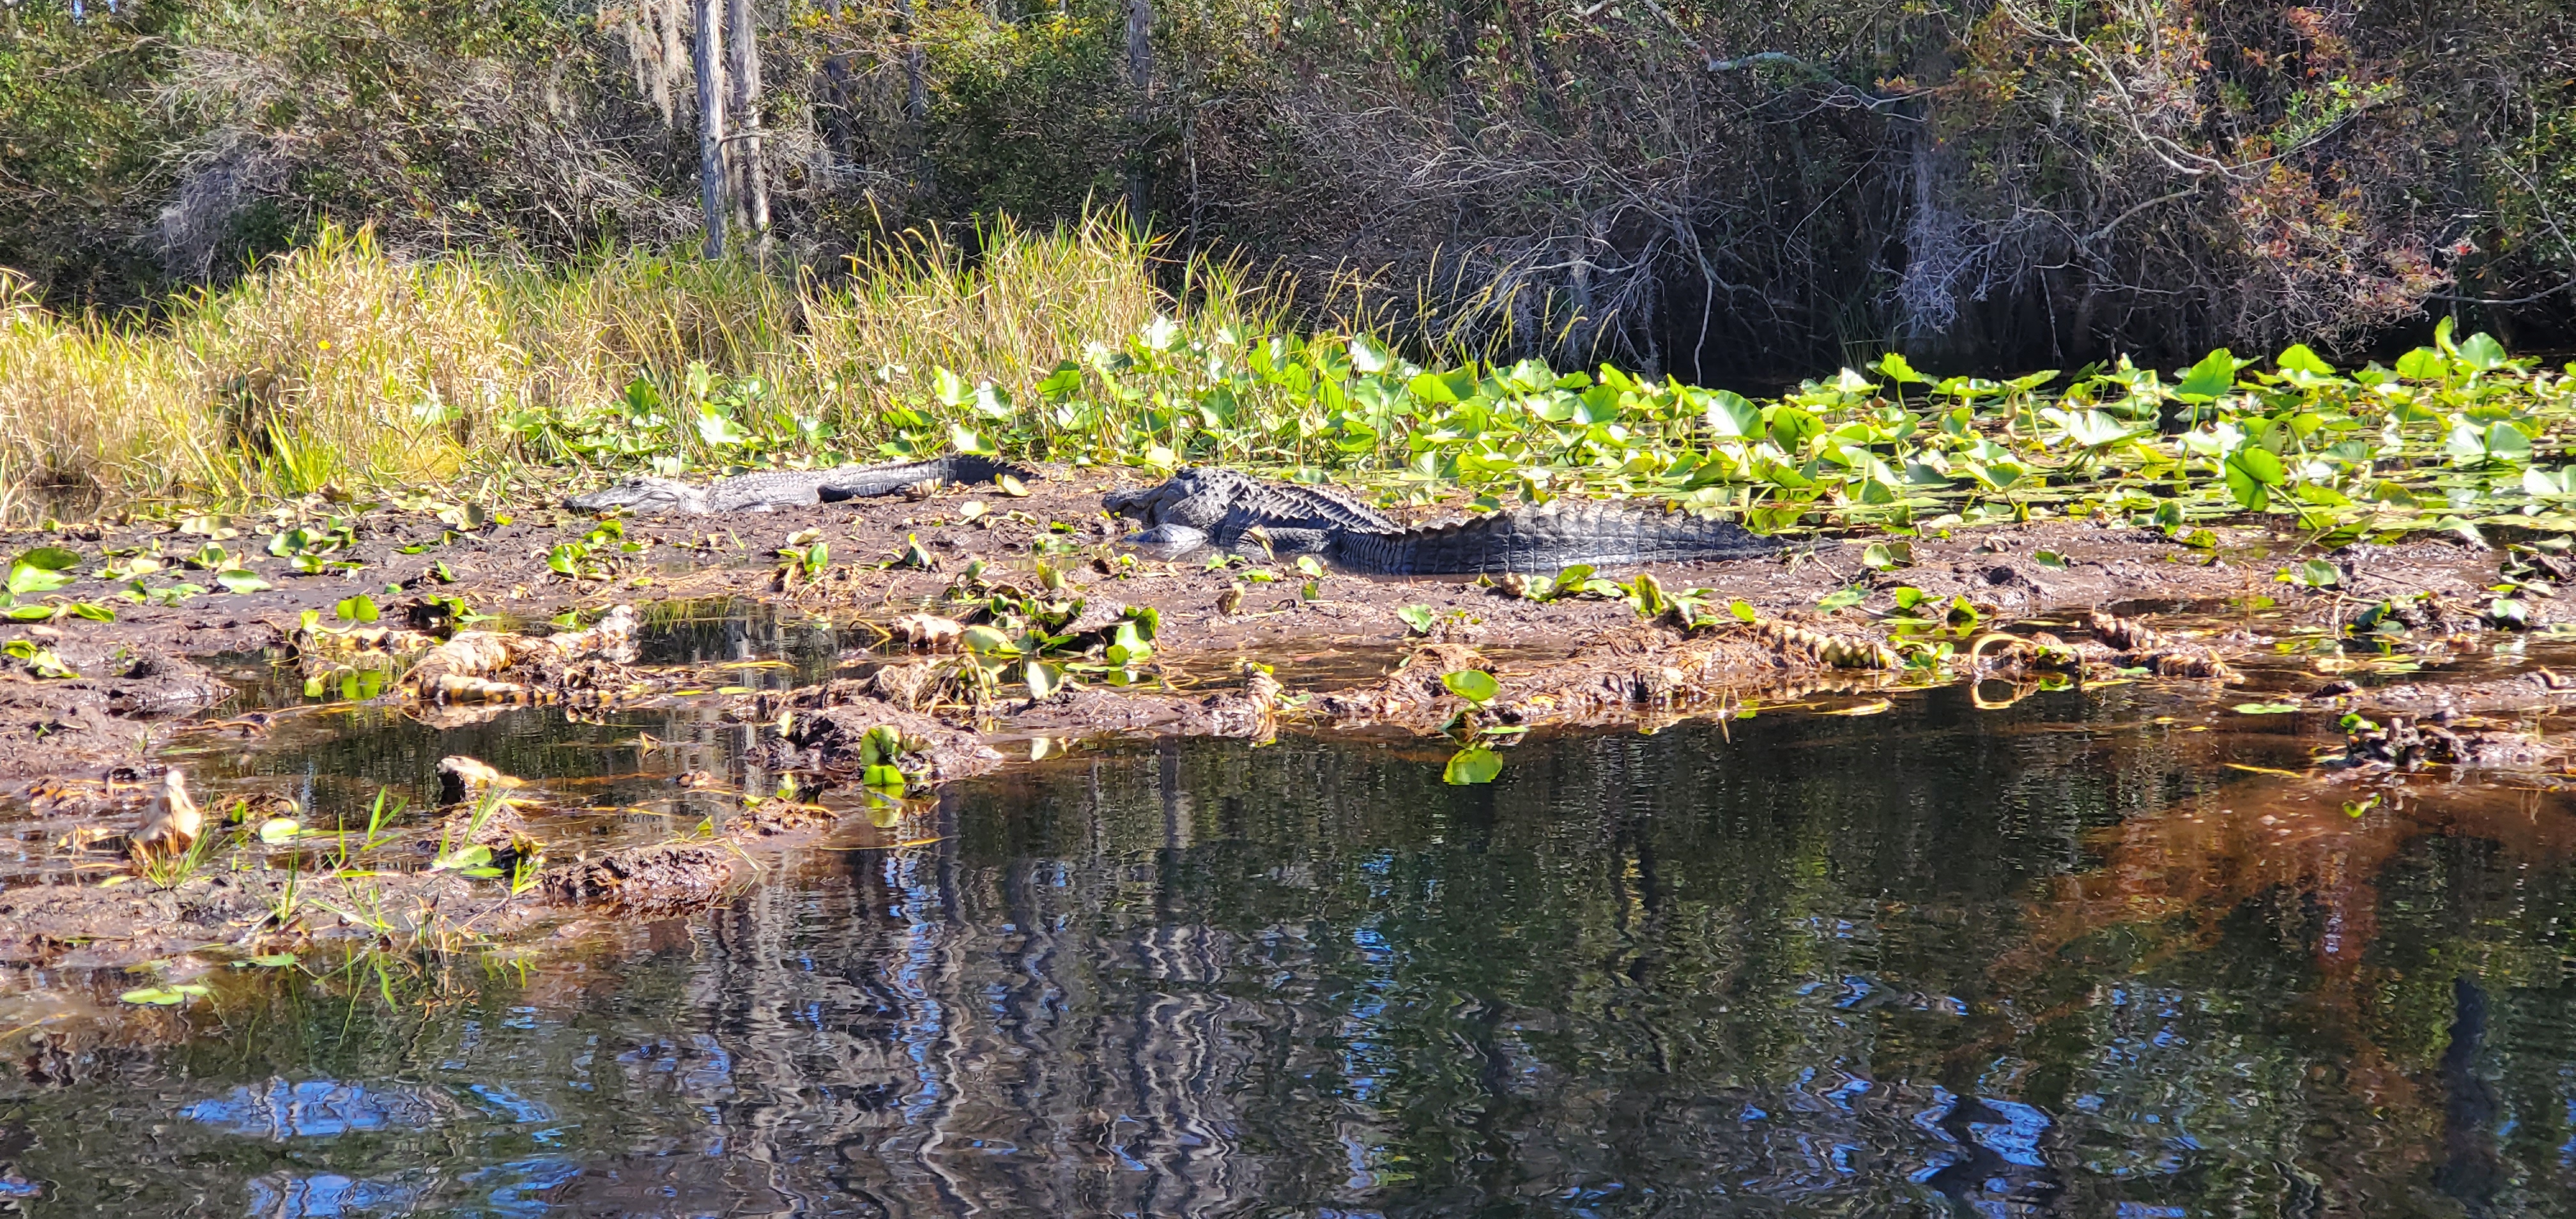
(462, 853)
(805, 556)
(599, 554)
(526, 872)
(383, 812)
(44, 570)
(308, 550)
(39, 660)
(282, 909)
(170, 871)
(454, 612)
(881, 753)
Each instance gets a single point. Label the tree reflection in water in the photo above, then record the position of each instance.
(2052, 960)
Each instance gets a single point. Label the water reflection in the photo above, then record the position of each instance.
(2047, 961)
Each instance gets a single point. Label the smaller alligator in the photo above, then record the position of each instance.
(1211, 507)
(763, 490)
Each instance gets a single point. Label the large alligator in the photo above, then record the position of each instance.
(763, 490)
(1210, 507)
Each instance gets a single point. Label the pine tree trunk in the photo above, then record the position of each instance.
(746, 115)
(709, 54)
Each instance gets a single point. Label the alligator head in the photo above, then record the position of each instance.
(646, 494)
(1152, 504)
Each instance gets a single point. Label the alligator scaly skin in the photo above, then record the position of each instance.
(1546, 539)
(763, 490)
(1222, 504)
(1222, 508)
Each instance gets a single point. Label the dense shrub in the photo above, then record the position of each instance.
(1706, 187)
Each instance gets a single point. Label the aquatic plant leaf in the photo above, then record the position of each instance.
(2423, 364)
(1470, 766)
(2213, 376)
(165, 996)
(26, 579)
(884, 778)
(718, 429)
(1043, 679)
(469, 856)
(2297, 358)
(981, 638)
(1474, 685)
(1732, 416)
(2480, 351)
(1367, 355)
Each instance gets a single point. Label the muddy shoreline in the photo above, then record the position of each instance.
(1245, 650)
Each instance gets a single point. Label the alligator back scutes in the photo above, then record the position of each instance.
(1548, 538)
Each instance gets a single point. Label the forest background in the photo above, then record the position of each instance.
(1706, 189)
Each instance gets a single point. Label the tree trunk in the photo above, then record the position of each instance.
(709, 54)
(1140, 69)
(746, 115)
(916, 98)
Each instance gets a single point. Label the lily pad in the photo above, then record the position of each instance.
(1473, 765)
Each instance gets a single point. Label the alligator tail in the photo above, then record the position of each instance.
(1548, 538)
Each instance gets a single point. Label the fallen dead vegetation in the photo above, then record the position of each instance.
(658, 877)
(570, 666)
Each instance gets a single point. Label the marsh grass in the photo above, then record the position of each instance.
(339, 366)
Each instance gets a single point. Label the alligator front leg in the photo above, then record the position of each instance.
(1172, 540)
(1290, 543)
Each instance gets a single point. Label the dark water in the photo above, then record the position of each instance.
(2053, 960)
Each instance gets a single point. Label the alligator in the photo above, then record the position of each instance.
(1211, 507)
(763, 490)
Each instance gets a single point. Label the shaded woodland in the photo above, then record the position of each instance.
(1710, 189)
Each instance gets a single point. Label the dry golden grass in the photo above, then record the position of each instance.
(337, 364)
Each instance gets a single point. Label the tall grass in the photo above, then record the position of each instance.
(338, 365)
